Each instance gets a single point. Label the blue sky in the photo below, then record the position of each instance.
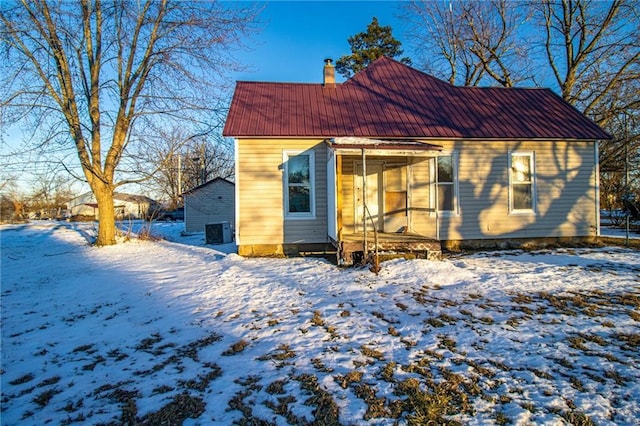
(296, 37)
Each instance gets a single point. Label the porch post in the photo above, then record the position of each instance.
(339, 196)
(364, 204)
(437, 205)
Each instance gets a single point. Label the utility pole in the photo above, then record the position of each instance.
(203, 165)
(627, 192)
(179, 174)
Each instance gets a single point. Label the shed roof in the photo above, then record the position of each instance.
(209, 182)
(391, 100)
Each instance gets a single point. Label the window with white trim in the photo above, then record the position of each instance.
(446, 183)
(522, 194)
(299, 184)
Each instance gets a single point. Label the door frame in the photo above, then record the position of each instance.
(392, 224)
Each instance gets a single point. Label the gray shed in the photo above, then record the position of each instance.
(211, 202)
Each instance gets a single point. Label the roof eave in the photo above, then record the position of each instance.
(435, 138)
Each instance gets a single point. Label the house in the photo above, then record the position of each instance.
(396, 159)
(211, 202)
(126, 206)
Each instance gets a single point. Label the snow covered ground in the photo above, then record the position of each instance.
(152, 331)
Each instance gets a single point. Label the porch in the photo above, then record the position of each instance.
(385, 195)
(351, 247)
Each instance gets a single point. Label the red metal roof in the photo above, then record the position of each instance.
(391, 100)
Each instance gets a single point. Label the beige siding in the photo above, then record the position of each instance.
(259, 181)
(214, 202)
(565, 174)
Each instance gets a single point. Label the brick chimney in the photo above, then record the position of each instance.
(329, 79)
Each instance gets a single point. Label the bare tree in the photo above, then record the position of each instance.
(492, 27)
(471, 42)
(593, 52)
(105, 76)
(588, 51)
(437, 33)
(206, 159)
(620, 161)
(186, 161)
(12, 201)
(590, 42)
(50, 191)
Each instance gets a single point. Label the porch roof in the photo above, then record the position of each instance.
(354, 145)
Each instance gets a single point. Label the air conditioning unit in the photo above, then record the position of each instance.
(218, 233)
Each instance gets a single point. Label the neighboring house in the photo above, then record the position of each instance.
(126, 206)
(427, 161)
(211, 202)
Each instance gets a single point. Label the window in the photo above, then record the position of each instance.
(299, 184)
(446, 183)
(521, 182)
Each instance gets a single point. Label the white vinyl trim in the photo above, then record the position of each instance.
(286, 155)
(455, 184)
(236, 159)
(532, 168)
(332, 200)
(596, 155)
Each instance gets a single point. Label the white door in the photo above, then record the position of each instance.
(396, 206)
(374, 195)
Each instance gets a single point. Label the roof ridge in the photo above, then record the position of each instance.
(282, 82)
(501, 88)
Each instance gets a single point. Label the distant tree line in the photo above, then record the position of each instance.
(46, 199)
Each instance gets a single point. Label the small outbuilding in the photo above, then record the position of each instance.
(211, 202)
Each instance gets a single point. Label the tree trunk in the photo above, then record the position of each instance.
(106, 214)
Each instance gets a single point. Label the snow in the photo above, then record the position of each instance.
(543, 335)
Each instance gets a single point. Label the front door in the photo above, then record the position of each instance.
(395, 198)
(373, 196)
